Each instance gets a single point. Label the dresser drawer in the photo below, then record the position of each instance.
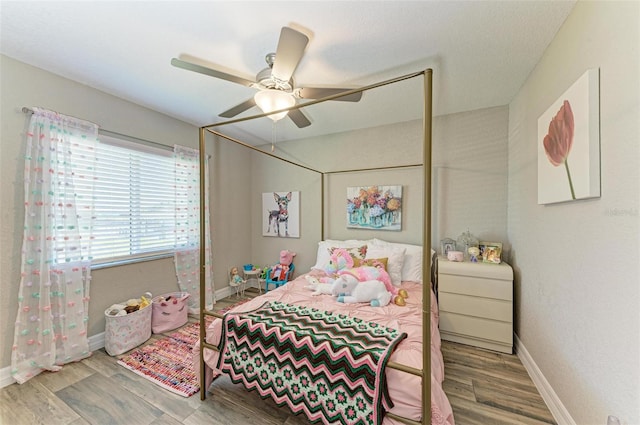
(476, 286)
(500, 271)
(476, 327)
(488, 308)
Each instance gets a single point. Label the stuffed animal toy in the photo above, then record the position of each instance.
(341, 262)
(279, 271)
(338, 260)
(350, 290)
(318, 287)
(365, 273)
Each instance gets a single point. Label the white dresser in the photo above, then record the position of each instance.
(476, 304)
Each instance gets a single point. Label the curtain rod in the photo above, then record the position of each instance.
(122, 136)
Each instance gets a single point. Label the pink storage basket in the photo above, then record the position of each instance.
(170, 314)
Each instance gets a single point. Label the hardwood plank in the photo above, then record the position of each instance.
(68, 375)
(104, 401)
(522, 402)
(459, 389)
(33, 403)
(477, 372)
(103, 363)
(237, 394)
(466, 412)
(165, 419)
(218, 410)
(174, 405)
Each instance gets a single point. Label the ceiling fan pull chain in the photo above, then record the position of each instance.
(273, 136)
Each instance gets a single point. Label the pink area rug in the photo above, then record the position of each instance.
(167, 362)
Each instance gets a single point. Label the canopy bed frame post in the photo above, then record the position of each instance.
(203, 264)
(425, 372)
(426, 241)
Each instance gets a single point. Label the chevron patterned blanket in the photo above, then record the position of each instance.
(329, 366)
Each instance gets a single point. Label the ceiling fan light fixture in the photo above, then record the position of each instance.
(272, 100)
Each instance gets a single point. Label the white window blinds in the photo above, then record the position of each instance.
(134, 201)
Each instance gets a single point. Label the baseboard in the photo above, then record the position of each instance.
(96, 342)
(5, 377)
(557, 409)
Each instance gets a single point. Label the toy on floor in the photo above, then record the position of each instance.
(236, 281)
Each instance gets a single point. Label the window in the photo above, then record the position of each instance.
(133, 201)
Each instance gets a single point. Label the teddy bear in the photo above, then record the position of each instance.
(349, 290)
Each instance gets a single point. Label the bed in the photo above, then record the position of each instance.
(403, 387)
(406, 374)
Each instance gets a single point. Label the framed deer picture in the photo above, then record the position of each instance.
(281, 214)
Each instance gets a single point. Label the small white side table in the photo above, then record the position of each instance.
(253, 275)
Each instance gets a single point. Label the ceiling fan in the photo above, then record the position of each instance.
(275, 83)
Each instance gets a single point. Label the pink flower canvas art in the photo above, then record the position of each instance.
(569, 144)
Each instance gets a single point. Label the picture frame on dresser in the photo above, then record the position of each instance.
(446, 245)
(490, 252)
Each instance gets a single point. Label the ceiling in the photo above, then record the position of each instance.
(481, 52)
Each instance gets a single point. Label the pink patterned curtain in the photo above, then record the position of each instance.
(53, 301)
(187, 256)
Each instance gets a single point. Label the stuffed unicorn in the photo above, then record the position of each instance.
(339, 259)
(341, 262)
(349, 290)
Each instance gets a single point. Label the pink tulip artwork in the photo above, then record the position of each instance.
(557, 143)
(568, 144)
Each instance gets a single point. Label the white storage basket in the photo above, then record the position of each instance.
(122, 333)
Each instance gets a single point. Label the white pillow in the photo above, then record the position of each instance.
(395, 260)
(323, 255)
(412, 267)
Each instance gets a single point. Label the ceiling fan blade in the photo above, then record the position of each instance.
(299, 118)
(319, 93)
(232, 112)
(211, 72)
(290, 50)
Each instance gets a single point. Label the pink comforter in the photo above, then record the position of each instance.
(404, 388)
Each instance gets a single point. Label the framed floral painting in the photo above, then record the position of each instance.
(569, 144)
(374, 207)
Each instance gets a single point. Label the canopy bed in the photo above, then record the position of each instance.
(408, 365)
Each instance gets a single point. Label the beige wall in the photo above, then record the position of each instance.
(469, 155)
(469, 180)
(577, 264)
(23, 85)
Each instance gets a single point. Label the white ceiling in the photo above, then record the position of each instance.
(481, 51)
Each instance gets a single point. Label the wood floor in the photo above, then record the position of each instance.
(484, 388)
